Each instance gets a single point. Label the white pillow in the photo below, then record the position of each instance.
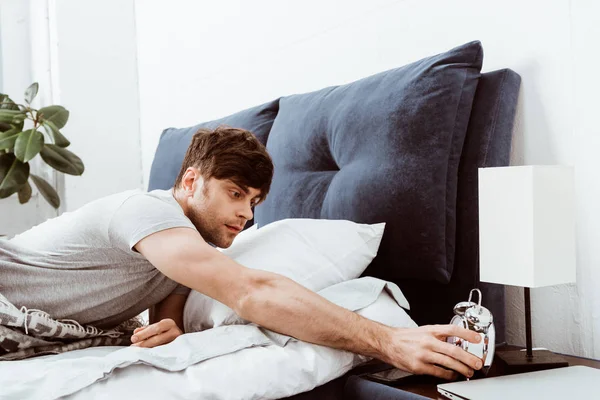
(260, 372)
(316, 253)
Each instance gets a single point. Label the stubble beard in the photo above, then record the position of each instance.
(210, 229)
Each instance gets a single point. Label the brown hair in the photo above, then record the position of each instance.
(230, 153)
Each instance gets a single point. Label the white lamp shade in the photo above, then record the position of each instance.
(527, 225)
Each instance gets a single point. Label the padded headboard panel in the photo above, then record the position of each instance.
(487, 144)
(385, 148)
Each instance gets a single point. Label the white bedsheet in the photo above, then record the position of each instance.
(228, 362)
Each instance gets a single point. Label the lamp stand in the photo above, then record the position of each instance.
(515, 362)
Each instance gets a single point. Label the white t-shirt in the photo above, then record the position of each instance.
(81, 265)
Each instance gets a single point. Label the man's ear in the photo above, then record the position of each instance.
(190, 181)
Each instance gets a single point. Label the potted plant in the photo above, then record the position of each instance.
(25, 133)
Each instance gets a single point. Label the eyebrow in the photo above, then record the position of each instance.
(245, 189)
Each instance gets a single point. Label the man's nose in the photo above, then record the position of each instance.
(246, 212)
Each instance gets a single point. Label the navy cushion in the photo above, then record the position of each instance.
(487, 144)
(382, 149)
(174, 142)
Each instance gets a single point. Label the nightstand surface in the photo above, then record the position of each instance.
(427, 385)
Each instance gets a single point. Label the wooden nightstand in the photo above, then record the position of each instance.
(427, 385)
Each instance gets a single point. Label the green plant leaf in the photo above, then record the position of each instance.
(18, 121)
(29, 143)
(19, 126)
(13, 174)
(53, 131)
(8, 138)
(25, 193)
(8, 116)
(8, 104)
(31, 92)
(56, 114)
(62, 160)
(46, 190)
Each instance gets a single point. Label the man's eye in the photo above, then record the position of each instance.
(236, 194)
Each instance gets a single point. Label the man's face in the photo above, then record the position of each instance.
(219, 209)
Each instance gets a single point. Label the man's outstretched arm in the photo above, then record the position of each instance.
(280, 304)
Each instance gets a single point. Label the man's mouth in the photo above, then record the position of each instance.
(235, 229)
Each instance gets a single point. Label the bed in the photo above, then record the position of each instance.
(401, 147)
(335, 158)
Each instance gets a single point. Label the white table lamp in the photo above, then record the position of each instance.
(527, 238)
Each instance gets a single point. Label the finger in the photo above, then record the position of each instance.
(466, 334)
(450, 363)
(151, 330)
(157, 340)
(456, 353)
(441, 373)
(141, 328)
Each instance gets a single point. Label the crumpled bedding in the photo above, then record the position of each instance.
(238, 348)
(28, 333)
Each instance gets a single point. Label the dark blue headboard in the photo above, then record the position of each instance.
(486, 112)
(487, 144)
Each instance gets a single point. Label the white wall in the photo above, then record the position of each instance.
(585, 26)
(202, 60)
(98, 85)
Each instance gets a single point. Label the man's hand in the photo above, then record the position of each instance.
(162, 332)
(424, 350)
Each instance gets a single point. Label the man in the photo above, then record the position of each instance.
(117, 256)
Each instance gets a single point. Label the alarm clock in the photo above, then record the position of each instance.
(475, 317)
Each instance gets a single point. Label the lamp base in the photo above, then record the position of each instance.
(516, 362)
